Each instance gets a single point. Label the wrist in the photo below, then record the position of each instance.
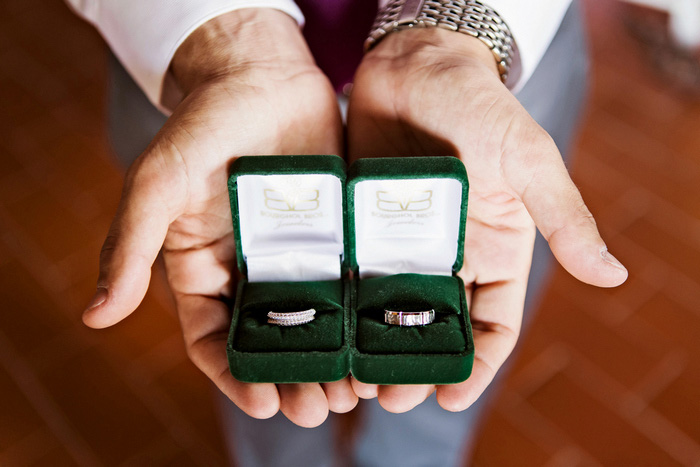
(436, 45)
(236, 42)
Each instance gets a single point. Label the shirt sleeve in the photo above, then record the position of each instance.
(533, 24)
(145, 34)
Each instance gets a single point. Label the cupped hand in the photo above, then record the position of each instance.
(251, 87)
(436, 92)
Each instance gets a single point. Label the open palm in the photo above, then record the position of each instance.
(434, 92)
(175, 198)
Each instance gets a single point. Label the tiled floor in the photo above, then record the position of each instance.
(611, 376)
(604, 377)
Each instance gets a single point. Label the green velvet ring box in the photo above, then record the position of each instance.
(406, 220)
(289, 224)
(391, 236)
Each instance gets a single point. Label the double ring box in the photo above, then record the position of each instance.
(387, 234)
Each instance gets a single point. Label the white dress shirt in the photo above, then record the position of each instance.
(144, 34)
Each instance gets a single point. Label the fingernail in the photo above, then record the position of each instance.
(610, 259)
(98, 299)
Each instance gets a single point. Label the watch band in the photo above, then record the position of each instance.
(466, 16)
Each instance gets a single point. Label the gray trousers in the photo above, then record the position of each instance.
(427, 435)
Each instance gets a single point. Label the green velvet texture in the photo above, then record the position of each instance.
(396, 366)
(324, 333)
(412, 368)
(315, 352)
(393, 168)
(409, 292)
(261, 352)
(280, 165)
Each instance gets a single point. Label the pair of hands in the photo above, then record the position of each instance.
(252, 87)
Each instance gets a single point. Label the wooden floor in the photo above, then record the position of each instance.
(604, 377)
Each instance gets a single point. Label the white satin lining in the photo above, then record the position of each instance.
(291, 226)
(407, 226)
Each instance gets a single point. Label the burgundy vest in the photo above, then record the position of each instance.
(335, 31)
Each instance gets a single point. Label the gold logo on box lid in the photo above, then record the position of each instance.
(397, 201)
(292, 200)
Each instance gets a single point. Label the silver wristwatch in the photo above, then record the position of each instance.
(468, 17)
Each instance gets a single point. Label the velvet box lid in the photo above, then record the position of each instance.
(288, 204)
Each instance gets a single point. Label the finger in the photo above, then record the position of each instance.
(341, 398)
(150, 201)
(202, 271)
(559, 212)
(364, 390)
(205, 322)
(496, 317)
(402, 398)
(304, 404)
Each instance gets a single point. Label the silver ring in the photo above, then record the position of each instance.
(294, 318)
(409, 318)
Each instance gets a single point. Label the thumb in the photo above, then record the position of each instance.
(151, 199)
(560, 213)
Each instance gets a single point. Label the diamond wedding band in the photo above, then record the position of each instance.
(294, 318)
(409, 318)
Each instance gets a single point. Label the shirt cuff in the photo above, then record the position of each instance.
(533, 24)
(145, 34)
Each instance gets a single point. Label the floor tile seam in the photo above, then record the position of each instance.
(31, 257)
(685, 291)
(28, 450)
(158, 444)
(12, 179)
(666, 216)
(640, 329)
(640, 96)
(667, 102)
(618, 133)
(613, 217)
(536, 373)
(32, 249)
(58, 300)
(628, 407)
(615, 308)
(672, 213)
(168, 413)
(572, 456)
(615, 394)
(651, 194)
(153, 362)
(684, 168)
(45, 406)
(679, 444)
(91, 247)
(675, 274)
(44, 356)
(33, 72)
(32, 67)
(60, 196)
(537, 427)
(608, 216)
(662, 375)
